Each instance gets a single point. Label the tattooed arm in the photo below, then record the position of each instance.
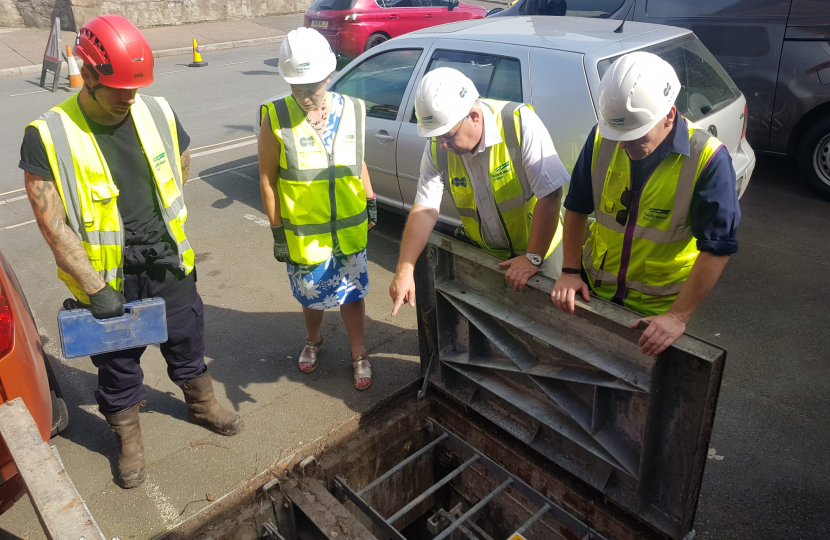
(185, 166)
(66, 246)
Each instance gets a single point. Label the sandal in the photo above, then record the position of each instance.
(309, 355)
(362, 370)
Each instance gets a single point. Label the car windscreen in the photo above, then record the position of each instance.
(706, 87)
(332, 5)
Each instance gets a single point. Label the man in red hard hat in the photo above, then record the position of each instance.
(104, 173)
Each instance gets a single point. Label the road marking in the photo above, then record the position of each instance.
(166, 510)
(223, 148)
(244, 176)
(12, 191)
(27, 93)
(168, 72)
(258, 220)
(210, 145)
(20, 198)
(232, 63)
(222, 171)
(18, 225)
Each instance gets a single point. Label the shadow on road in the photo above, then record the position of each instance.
(265, 347)
(86, 428)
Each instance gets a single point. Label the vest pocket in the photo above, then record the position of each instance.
(608, 205)
(102, 212)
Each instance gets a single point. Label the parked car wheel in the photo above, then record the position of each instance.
(813, 157)
(375, 40)
(494, 11)
(60, 414)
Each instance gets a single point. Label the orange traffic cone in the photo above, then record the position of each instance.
(197, 57)
(75, 79)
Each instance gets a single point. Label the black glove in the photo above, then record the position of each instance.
(372, 210)
(106, 303)
(280, 243)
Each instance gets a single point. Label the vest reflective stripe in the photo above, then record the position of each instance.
(171, 201)
(514, 199)
(655, 261)
(309, 175)
(89, 194)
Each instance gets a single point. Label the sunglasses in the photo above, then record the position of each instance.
(625, 200)
(448, 139)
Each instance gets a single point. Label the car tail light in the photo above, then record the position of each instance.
(350, 17)
(746, 122)
(6, 324)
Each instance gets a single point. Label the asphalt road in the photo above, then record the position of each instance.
(767, 476)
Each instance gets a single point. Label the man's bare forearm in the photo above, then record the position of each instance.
(545, 222)
(702, 278)
(185, 166)
(69, 253)
(572, 238)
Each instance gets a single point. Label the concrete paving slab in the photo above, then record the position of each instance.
(25, 46)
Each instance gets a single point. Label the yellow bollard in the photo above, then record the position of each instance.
(197, 57)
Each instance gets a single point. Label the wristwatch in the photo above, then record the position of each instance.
(535, 260)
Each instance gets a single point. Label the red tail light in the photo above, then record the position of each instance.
(6, 324)
(746, 121)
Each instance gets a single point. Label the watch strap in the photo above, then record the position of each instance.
(571, 271)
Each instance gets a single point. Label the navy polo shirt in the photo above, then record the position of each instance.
(714, 213)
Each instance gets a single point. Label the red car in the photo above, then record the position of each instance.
(24, 372)
(354, 26)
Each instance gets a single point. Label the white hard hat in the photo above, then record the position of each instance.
(444, 97)
(637, 91)
(306, 57)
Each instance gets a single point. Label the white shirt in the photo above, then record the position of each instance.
(545, 171)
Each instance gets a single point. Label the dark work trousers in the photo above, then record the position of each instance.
(120, 379)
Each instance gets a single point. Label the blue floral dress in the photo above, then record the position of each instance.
(342, 278)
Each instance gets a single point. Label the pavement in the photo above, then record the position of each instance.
(766, 478)
(21, 49)
(24, 47)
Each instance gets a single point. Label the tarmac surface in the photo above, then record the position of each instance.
(768, 468)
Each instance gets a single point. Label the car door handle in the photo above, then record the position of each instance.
(394, 17)
(384, 137)
(429, 16)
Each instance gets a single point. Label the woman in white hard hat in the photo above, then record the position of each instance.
(317, 194)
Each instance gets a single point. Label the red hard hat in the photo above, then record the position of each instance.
(118, 51)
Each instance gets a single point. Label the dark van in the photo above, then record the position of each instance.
(776, 51)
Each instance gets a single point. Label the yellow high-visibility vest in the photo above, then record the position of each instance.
(515, 200)
(647, 261)
(90, 195)
(321, 195)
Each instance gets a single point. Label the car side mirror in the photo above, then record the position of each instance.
(453, 5)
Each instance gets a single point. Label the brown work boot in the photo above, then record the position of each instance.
(202, 407)
(130, 448)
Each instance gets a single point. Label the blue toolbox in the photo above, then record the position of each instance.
(144, 323)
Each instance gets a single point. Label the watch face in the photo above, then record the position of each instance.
(535, 259)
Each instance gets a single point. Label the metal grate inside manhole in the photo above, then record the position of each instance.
(448, 524)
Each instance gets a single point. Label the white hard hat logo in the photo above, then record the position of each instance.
(667, 90)
(462, 93)
(616, 122)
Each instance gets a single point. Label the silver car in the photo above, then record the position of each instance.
(553, 63)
